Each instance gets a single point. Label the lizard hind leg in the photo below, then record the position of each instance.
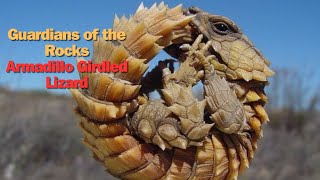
(168, 129)
(152, 123)
(181, 100)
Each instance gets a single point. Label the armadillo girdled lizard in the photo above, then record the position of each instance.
(177, 136)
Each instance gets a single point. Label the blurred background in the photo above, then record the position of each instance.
(39, 134)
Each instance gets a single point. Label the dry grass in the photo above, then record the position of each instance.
(40, 140)
(285, 154)
(290, 148)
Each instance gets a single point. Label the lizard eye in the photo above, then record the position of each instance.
(220, 27)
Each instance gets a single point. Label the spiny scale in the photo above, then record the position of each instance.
(101, 110)
(179, 97)
(111, 107)
(106, 87)
(240, 59)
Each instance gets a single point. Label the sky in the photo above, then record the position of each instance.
(287, 32)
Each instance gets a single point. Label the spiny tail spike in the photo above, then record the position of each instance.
(153, 6)
(141, 7)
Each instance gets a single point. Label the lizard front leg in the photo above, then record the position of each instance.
(227, 112)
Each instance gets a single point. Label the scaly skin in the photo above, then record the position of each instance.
(236, 55)
(124, 128)
(226, 110)
(239, 64)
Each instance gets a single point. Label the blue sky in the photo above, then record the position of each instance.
(287, 32)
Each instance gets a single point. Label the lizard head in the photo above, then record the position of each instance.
(236, 56)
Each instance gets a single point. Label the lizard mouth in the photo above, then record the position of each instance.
(211, 51)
